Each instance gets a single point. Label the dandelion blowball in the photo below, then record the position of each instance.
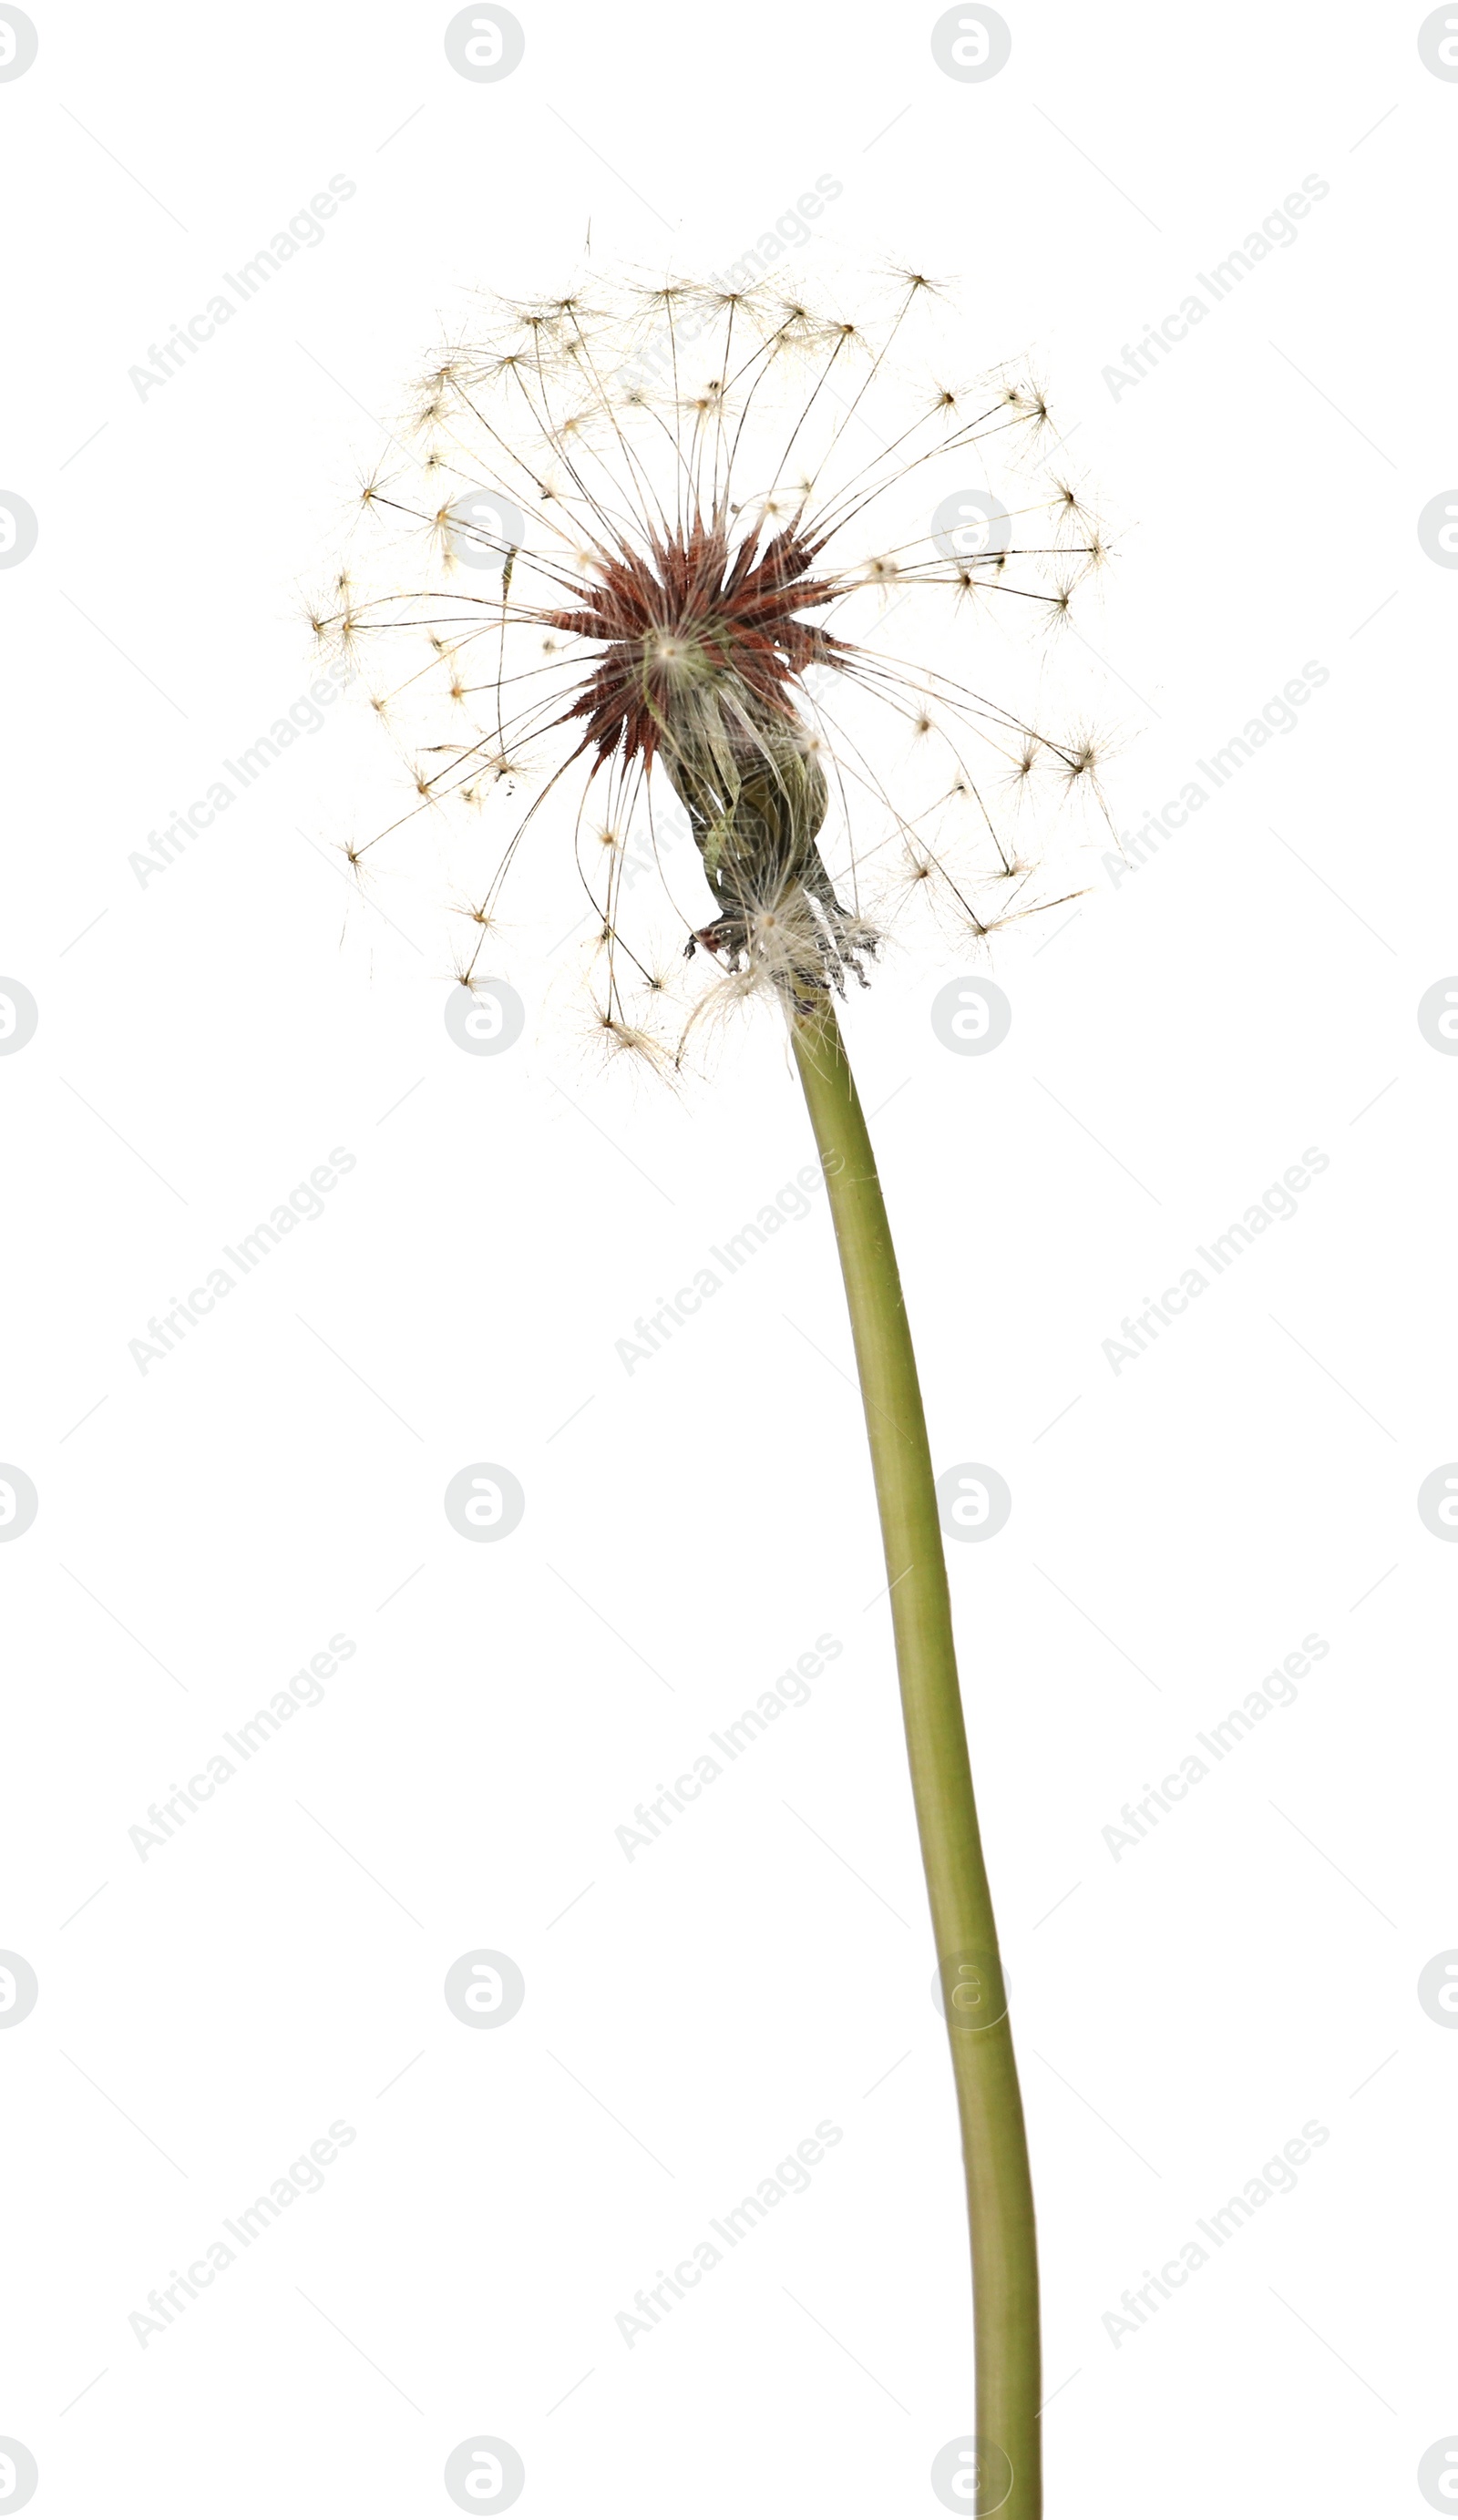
(670, 561)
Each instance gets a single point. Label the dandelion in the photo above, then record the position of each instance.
(673, 562)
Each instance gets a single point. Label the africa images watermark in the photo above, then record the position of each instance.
(1277, 1688)
(305, 1204)
(305, 1688)
(655, 832)
(789, 2177)
(303, 2178)
(655, 363)
(1278, 1204)
(1277, 2178)
(304, 230)
(791, 1688)
(305, 716)
(1278, 716)
(1276, 231)
(790, 1204)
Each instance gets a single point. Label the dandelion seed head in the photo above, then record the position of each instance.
(714, 639)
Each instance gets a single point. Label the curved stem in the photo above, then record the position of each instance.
(994, 2145)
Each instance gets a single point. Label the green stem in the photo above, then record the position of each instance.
(994, 2145)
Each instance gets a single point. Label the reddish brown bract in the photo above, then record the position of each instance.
(687, 609)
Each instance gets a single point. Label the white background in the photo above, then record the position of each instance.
(206, 1038)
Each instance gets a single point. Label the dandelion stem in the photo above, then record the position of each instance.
(994, 2145)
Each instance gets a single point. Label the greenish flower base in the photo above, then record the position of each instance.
(994, 2145)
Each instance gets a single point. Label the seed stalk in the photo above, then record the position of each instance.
(994, 2145)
